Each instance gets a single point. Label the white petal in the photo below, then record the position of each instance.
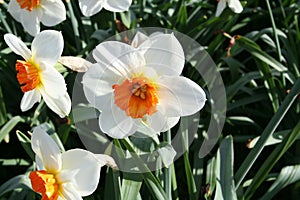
(115, 123)
(180, 96)
(171, 122)
(68, 192)
(235, 6)
(54, 12)
(75, 63)
(97, 83)
(17, 46)
(14, 9)
(90, 7)
(165, 55)
(61, 105)
(220, 7)
(31, 22)
(46, 149)
(29, 99)
(138, 39)
(123, 57)
(85, 170)
(47, 47)
(117, 6)
(53, 81)
(160, 122)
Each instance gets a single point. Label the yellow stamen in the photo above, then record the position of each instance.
(28, 75)
(45, 183)
(28, 4)
(137, 97)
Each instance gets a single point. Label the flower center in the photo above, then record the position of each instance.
(137, 97)
(28, 4)
(28, 75)
(45, 183)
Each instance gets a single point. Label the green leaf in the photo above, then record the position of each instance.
(26, 144)
(9, 126)
(21, 181)
(3, 115)
(271, 160)
(131, 185)
(287, 175)
(268, 131)
(225, 188)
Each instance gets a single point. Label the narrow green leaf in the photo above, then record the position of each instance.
(9, 126)
(225, 188)
(287, 175)
(20, 181)
(269, 130)
(131, 185)
(3, 115)
(26, 144)
(271, 160)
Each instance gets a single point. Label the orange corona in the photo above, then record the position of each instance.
(137, 97)
(28, 4)
(45, 183)
(28, 75)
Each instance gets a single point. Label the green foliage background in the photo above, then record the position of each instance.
(262, 84)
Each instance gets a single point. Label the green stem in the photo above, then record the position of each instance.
(75, 26)
(4, 22)
(278, 49)
(168, 171)
(267, 133)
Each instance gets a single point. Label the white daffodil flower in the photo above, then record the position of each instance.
(68, 175)
(31, 12)
(137, 86)
(234, 5)
(91, 7)
(36, 73)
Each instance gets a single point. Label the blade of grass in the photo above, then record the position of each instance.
(269, 130)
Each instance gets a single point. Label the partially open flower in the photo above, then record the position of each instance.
(234, 5)
(91, 7)
(68, 175)
(31, 12)
(36, 73)
(139, 85)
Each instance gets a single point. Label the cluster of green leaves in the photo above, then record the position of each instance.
(257, 154)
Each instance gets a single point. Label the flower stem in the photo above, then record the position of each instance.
(3, 20)
(75, 26)
(278, 49)
(168, 171)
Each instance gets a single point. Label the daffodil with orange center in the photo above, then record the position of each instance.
(31, 12)
(66, 176)
(138, 86)
(36, 73)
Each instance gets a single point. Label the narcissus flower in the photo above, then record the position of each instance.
(68, 175)
(139, 86)
(91, 7)
(31, 12)
(36, 73)
(234, 5)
